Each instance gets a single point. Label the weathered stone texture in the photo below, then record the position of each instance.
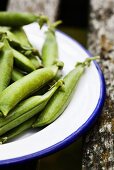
(99, 143)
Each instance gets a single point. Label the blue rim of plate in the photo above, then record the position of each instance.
(79, 132)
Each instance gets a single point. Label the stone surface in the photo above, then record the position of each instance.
(99, 143)
(47, 7)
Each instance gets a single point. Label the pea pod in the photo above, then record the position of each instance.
(13, 40)
(29, 104)
(20, 89)
(17, 43)
(50, 47)
(22, 62)
(49, 50)
(14, 123)
(21, 37)
(36, 61)
(10, 35)
(16, 74)
(21, 43)
(1, 45)
(27, 109)
(6, 65)
(18, 19)
(61, 98)
(17, 131)
(4, 28)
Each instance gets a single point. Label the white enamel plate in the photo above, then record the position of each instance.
(84, 107)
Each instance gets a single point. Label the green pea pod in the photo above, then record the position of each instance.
(4, 29)
(21, 36)
(17, 131)
(36, 61)
(14, 123)
(18, 19)
(22, 62)
(6, 65)
(16, 74)
(20, 89)
(25, 50)
(50, 46)
(29, 104)
(19, 44)
(27, 109)
(22, 43)
(14, 42)
(1, 45)
(50, 49)
(61, 98)
(10, 35)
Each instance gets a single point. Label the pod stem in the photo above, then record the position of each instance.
(42, 19)
(59, 64)
(87, 61)
(55, 24)
(52, 26)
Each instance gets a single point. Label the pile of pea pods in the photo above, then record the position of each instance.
(32, 94)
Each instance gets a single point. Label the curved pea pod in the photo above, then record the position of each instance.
(6, 65)
(61, 98)
(20, 89)
(36, 61)
(25, 50)
(18, 19)
(13, 41)
(27, 109)
(30, 103)
(21, 36)
(21, 43)
(50, 46)
(22, 62)
(50, 49)
(1, 45)
(15, 122)
(17, 130)
(16, 74)
(10, 35)
(3, 28)
(18, 44)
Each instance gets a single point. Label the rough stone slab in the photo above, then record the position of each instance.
(98, 151)
(46, 7)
